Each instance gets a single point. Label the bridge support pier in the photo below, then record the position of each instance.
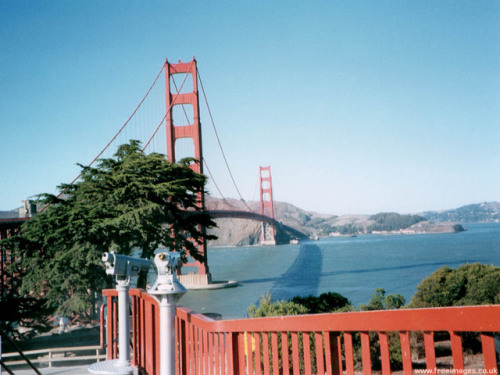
(195, 279)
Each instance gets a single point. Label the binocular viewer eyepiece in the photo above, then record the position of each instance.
(124, 266)
(167, 263)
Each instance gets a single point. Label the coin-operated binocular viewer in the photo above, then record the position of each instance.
(123, 267)
(167, 290)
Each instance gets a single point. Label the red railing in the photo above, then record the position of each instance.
(306, 344)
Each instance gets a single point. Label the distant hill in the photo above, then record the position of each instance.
(472, 213)
(240, 232)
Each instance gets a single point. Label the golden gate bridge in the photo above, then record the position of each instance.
(167, 121)
(321, 344)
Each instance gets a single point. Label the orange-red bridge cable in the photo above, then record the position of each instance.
(169, 108)
(204, 160)
(118, 133)
(123, 126)
(220, 144)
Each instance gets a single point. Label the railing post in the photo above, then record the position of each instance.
(102, 333)
(182, 339)
(234, 352)
(489, 352)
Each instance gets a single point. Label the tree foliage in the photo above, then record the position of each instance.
(380, 301)
(470, 284)
(393, 221)
(269, 307)
(325, 303)
(130, 202)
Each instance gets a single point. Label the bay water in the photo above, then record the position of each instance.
(351, 266)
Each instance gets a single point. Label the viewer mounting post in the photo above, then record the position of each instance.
(167, 290)
(123, 267)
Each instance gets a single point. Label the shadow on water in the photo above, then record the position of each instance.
(303, 275)
(287, 277)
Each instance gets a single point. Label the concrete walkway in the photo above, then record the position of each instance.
(74, 370)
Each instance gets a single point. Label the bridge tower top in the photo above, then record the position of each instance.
(266, 203)
(191, 131)
(266, 192)
(173, 98)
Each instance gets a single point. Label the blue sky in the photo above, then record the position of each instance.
(359, 107)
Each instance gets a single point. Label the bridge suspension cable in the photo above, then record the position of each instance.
(168, 109)
(204, 160)
(121, 128)
(219, 142)
(163, 120)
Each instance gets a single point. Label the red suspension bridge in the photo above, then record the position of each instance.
(167, 120)
(321, 344)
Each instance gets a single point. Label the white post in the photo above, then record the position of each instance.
(168, 291)
(123, 267)
(123, 326)
(167, 336)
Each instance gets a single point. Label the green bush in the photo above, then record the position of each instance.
(470, 284)
(325, 303)
(380, 301)
(269, 307)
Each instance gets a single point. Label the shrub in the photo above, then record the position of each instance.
(470, 284)
(325, 303)
(269, 307)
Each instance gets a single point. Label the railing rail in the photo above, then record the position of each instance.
(306, 344)
(49, 356)
(19, 353)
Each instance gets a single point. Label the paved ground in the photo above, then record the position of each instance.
(76, 370)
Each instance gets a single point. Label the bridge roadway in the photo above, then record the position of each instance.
(9, 223)
(249, 215)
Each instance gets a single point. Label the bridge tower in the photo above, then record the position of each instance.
(266, 205)
(191, 131)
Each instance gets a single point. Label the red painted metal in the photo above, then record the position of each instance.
(295, 354)
(488, 344)
(457, 351)
(191, 131)
(249, 352)
(404, 338)
(102, 333)
(365, 353)
(286, 358)
(266, 198)
(205, 346)
(319, 352)
(430, 352)
(274, 347)
(333, 353)
(265, 349)
(307, 353)
(384, 353)
(348, 353)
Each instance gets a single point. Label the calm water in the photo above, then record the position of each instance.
(353, 267)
